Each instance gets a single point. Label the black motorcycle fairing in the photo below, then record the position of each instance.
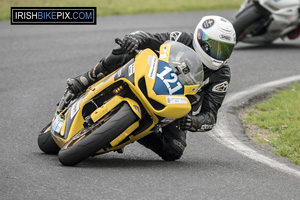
(127, 71)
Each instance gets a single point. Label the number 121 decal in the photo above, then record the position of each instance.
(167, 81)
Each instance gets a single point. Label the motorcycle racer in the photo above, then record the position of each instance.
(213, 40)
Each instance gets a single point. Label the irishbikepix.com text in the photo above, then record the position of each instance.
(53, 15)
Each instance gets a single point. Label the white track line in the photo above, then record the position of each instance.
(223, 134)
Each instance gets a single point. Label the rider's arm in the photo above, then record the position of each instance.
(214, 94)
(118, 57)
(153, 41)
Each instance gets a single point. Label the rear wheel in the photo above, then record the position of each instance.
(90, 140)
(46, 142)
(244, 20)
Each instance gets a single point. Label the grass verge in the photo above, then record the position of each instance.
(123, 7)
(275, 123)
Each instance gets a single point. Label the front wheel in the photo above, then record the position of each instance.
(82, 146)
(46, 142)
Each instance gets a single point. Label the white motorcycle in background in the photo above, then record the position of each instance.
(263, 21)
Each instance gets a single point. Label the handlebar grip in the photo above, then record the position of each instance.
(64, 101)
(69, 96)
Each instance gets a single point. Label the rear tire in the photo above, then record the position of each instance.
(46, 142)
(98, 139)
(245, 19)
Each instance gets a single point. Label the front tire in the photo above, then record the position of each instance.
(73, 153)
(245, 19)
(46, 142)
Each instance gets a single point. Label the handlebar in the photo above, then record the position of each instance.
(64, 101)
(69, 96)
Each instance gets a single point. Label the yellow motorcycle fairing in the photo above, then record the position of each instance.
(165, 98)
(150, 79)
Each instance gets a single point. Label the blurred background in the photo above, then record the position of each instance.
(123, 7)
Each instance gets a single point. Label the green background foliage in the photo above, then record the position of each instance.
(123, 7)
(279, 117)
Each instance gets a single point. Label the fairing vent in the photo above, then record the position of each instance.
(156, 105)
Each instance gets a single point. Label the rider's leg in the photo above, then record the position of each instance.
(113, 61)
(169, 144)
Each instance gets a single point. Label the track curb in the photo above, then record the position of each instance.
(230, 132)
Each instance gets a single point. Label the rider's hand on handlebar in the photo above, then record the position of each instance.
(130, 44)
(189, 123)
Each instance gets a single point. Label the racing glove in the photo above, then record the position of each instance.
(189, 122)
(75, 85)
(130, 44)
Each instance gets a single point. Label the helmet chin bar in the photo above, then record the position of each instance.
(217, 64)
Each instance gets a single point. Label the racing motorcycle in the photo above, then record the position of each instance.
(263, 21)
(139, 98)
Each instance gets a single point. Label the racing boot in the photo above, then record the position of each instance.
(80, 83)
(174, 140)
(294, 33)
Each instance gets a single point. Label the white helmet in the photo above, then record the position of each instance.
(214, 40)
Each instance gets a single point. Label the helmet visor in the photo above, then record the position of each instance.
(214, 48)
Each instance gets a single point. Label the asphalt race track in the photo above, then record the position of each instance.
(35, 62)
